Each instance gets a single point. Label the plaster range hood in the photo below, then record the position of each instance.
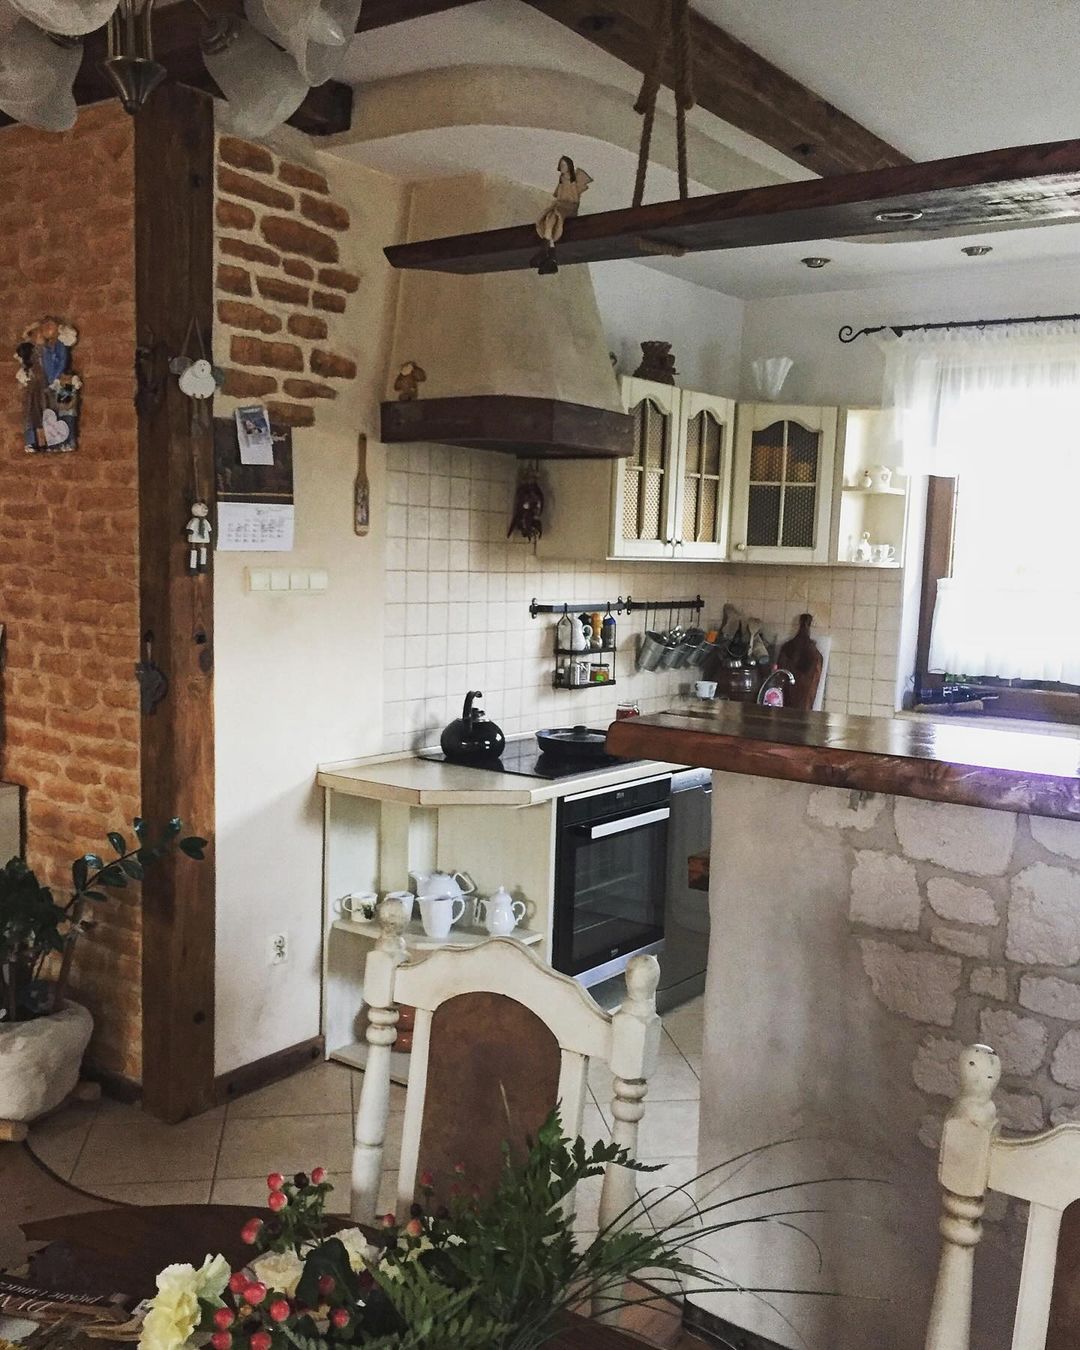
(517, 364)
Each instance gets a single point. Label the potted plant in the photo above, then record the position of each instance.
(43, 1033)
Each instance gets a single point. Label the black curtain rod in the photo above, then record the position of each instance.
(849, 334)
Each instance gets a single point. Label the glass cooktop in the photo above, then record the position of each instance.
(526, 759)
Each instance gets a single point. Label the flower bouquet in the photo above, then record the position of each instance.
(499, 1273)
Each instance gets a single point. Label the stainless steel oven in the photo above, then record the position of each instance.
(610, 877)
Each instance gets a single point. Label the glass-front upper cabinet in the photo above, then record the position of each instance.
(645, 483)
(670, 497)
(783, 485)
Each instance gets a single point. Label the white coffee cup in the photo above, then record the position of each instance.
(705, 688)
(884, 553)
(360, 906)
(439, 916)
(407, 901)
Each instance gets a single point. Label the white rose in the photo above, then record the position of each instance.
(174, 1311)
(362, 1255)
(280, 1271)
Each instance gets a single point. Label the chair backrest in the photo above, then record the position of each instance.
(499, 1038)
(1043, 1169)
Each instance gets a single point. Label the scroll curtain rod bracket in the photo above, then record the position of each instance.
(849, 334)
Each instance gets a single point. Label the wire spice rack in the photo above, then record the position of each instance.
(595, 667)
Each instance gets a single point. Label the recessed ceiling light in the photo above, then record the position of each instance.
(898, 215)
(815, 263)
(976, 250)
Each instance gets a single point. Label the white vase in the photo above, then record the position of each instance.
(40, 1061)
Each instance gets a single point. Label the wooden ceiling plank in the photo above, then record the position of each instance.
(1021, 185)
(735, 83)
(385, 13)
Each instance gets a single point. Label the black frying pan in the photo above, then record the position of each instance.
(581, 743)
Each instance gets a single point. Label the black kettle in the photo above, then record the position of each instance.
(471, 738)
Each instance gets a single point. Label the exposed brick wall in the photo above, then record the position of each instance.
(282, 299)
(69, 537)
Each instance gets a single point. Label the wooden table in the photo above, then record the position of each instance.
(123, 1250)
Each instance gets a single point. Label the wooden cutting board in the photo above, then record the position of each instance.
(801, 655)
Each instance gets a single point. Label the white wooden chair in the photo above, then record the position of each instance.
(1043, 1169)
(498, 977)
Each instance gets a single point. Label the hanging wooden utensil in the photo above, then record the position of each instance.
(362, 494)
(802, 656)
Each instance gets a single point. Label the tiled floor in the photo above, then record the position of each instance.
(115, 1151)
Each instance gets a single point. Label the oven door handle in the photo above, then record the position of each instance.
(626, 823)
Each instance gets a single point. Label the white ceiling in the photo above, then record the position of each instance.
(933, 78)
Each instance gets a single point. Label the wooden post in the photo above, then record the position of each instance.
(174, 245)
(382, 1015)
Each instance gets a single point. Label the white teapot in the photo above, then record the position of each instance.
(442, 885)
(500, 913)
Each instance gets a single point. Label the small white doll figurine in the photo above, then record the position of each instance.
(198, 535)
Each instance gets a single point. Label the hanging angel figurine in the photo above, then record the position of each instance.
(573, 183)
(198, 537)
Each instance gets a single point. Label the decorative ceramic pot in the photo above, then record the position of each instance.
(40, 1061)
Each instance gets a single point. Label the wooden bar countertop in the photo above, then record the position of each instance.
(1028, 772)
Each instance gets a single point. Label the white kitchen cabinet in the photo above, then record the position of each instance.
(668, 501)
(784, 483)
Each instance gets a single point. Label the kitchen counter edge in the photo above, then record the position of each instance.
(965, 765)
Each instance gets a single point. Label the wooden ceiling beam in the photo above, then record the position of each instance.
(1025, 185)
(734, 82)
(384, 13)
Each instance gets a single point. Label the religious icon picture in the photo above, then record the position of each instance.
(52, 387)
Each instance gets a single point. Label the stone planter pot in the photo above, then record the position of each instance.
(39, 1065)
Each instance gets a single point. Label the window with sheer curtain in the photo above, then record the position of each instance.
(999, 410)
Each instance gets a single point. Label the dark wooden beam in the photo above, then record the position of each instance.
(734, 82)
(326, 110)
(384, 13)
(1026, 185)
(174, 250)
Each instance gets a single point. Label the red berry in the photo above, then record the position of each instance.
(277, 1201)
(261, 1340)
(224, 1318)
(250, 1231)
(318, 1175)
(427, 1180)
(255, 1293)
(326, 1285)
(221, 1340)
(238, 1282)
(275, 1181)
(340, 1317)
(459, 1168)
(279, 1310)
(388, 1221)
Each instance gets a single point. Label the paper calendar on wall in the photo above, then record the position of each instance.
(255, 505)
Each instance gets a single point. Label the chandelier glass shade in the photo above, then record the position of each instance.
(68, 18)
(37, 75)
(315, 33)
(261, 83)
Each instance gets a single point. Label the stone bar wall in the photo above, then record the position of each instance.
(858, 943)
(282, 298)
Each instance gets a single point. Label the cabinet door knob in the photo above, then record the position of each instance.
(740, 548)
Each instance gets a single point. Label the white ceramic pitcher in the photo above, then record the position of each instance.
(500, 913)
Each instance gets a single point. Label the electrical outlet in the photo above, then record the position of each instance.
(277, 952)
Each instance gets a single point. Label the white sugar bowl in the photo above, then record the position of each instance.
(500, 913)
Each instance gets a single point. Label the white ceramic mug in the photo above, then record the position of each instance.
(439, 916)
(407, 900)
(884, 553)
(705, 688)
(360, 906)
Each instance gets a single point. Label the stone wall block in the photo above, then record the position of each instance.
(884, 891)
(1021, 1111)
(322, 212)
(249, 351)
(245, 155)
(284, 292)
(990, 981)
(298, 175)
(960, 941)
(1021, 1042)
(308, 389)
(296, 267)
(253, 189)
(962, 838)
(919, 985)
(1065, 1115)
(339, 280)
(307, 326)
(331, 366)
(292, 414)
(1044, 916)
(327, 300)
(1059, 836)
(1065, 1064)
(242, 248)
(962, 904)
(233, 280)
(233, 216)
(245, 384)
(1047, 994)
(237, 314)
(293, 236)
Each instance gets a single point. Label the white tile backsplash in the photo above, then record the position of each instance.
(457, 609)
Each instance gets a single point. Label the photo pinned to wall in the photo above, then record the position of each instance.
(255, 501)
(253, 433)
(51, 421)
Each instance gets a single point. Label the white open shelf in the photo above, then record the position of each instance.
(418, 940)
(877, 492)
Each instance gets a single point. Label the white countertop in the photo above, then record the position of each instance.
(424, 782)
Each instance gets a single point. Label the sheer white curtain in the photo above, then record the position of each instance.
(999, 409)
